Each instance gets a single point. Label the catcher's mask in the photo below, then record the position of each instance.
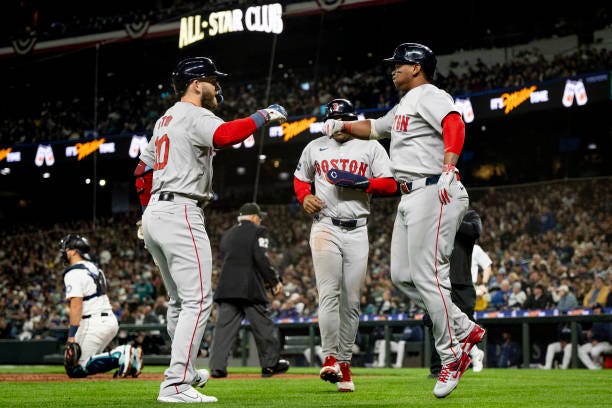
(341, 109)
(76, 242)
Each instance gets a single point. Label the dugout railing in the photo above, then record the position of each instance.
(531, 326)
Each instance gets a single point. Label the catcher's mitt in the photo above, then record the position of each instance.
(72, 353)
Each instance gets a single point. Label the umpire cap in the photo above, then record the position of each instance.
(251, 209)
(414, 53)
(340, 109)
(193, 68)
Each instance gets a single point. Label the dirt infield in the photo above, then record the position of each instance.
(29, 377)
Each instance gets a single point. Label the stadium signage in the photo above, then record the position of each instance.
(292, 129)
(560, 94)
(82, 150)
(4, 153)
(564, 93)
(266, 18)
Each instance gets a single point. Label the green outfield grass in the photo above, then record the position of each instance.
(407, 387)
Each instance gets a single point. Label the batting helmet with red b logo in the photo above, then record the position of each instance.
(340, 109)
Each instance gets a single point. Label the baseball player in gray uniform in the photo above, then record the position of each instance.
(93, 324)
(427, 135)
(339, 235)
(180, 153)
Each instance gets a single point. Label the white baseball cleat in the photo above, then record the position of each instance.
(201, 379)
(477, 358)
(126, 360)
(449, 377)
(189, 395)
(137, 362)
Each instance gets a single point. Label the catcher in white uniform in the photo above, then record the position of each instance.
(339, 235)
(93, 324)
(427, 135)
(180, 153)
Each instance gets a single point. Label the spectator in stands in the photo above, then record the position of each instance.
(144, 289)
(598, 294)
(482, 298)
(499, 298)
(567, 300)
(518, 296)
(599, 341)
(539, 299)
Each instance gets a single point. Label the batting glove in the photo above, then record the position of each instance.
(139, 232)
(276, 114)
(448, 176)
(332, 126)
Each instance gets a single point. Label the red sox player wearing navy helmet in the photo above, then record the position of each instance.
(427, 134)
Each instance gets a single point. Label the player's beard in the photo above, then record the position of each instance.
(209, 101)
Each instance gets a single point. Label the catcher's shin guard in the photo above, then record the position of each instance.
(76, 372)
(102, 363)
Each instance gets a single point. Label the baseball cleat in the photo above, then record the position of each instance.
(331, 370)
(125, 361)
(137, 361)
(218, 374)
(346, 385)
(189, 395)
(280, 367)
(449, 377)
(202, 377)
(477, 357)
(475, 337)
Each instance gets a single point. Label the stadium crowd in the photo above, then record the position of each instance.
(543, 239)
(134, 109)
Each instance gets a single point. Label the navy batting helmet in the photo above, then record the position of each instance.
(75, 241)
(413, 53)
(340, 109)
(193, 68)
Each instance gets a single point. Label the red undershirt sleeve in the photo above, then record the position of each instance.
(382, 186)
(301, 188)
(235, 131)
(453, 131)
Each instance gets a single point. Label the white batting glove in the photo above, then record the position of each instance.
(139, 232)
(448, 176)
(332, 126)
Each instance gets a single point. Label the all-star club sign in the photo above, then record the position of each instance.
(267, 18)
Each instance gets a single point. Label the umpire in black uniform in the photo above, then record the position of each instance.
(463, 292)
(241, 292)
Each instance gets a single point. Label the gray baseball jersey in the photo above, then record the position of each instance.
(364, 157)
(415, 128)
(424, 229)
(181, 152)
(339, 253)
